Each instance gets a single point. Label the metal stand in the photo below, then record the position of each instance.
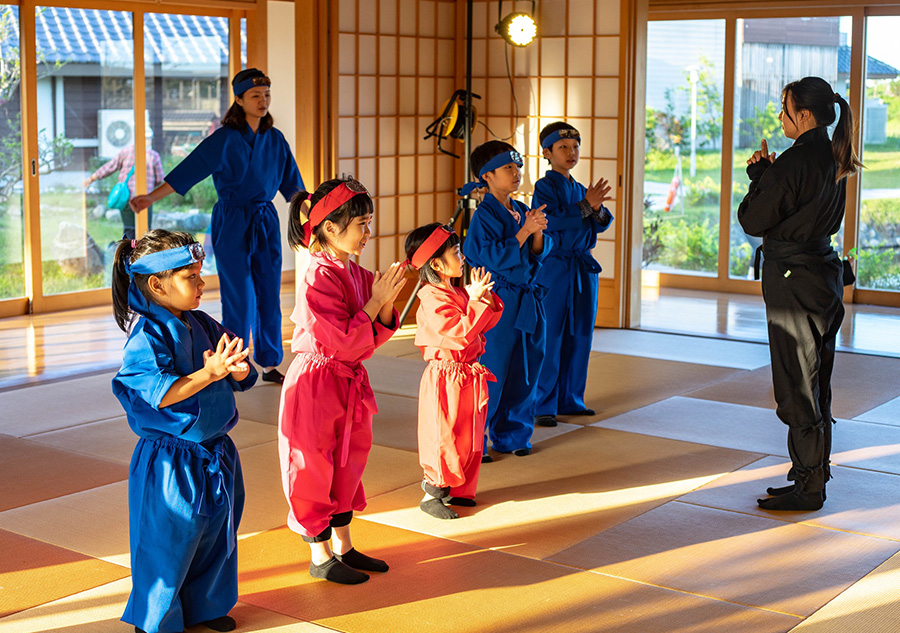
(464, 206)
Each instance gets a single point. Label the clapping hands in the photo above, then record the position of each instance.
(598, 193)
(479, 288)
(535, 220)
(228, 357)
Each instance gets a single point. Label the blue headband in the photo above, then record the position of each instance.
(156, 263)
(168, 259)
(497, 161)
(252, 82)
(559, 135)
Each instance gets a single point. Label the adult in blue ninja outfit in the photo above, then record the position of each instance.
(250, 161)
(180, 369)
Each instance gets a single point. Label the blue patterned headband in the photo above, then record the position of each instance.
(497, 161)
(252, 82)
(559, 135)
(156, 263)
(168, 259)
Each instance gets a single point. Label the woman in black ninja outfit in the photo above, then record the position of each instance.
(796, 203)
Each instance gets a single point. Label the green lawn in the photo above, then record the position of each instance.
(688, 241)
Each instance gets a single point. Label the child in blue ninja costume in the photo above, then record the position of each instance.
(185, 489)
(508, 240)
(575, 214)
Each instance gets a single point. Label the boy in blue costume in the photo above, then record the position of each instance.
(508, 239)
(250, 161)
(185, 489)
(575, 214)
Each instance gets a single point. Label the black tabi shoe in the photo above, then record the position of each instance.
(783, 490)
(486, 459)
(582, 412)
(222, 623)
(358, 560)
(522, 452)
(273, 376)
(334, 570)
(545, 420)
(793, 502)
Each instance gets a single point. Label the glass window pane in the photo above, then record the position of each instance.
(879, 222)
(188, 91)
(682, 169)
(243, 43)
(770, 53)
(12, 236)
(85, 127)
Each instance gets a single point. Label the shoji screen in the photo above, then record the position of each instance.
(570, 72)
(396, 64)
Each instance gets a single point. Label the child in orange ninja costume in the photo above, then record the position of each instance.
(453, 392)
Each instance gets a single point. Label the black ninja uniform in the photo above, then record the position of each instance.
(795, 205)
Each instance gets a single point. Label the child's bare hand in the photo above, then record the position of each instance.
(535, 220)
(480, 285)
(226, 358)
(386, 286)
(598, 193)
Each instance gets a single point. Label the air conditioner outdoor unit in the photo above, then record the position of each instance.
(116, 130)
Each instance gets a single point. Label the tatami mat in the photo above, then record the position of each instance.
(859, 383)
(396, 376)
(395, 424)
(58, 405)
(259, 403)
(93, 522)
(571, 487)
(98, 611)
(49, 472)
(772, 564)
(686, 349)
(887, 413)
(442, 586)
(619, 383)
(857, 444)
(860, 501)
(869, 606)
(114, 440)
(32, 573)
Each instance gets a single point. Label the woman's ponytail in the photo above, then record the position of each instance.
(842, 141)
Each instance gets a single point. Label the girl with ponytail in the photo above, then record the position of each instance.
(796, 203)
(180, 369)
(343, 313)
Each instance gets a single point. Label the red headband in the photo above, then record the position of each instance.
(332, 200)
(430, 246)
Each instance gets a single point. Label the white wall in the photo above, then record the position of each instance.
(284, 91)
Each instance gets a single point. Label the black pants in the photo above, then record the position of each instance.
(129, 223)
(804, 311)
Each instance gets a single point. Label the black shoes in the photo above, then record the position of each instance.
(545, 420)
(273, 376)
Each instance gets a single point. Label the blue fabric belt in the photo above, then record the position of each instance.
(214, 489)
(527, 318)
(587, 266)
